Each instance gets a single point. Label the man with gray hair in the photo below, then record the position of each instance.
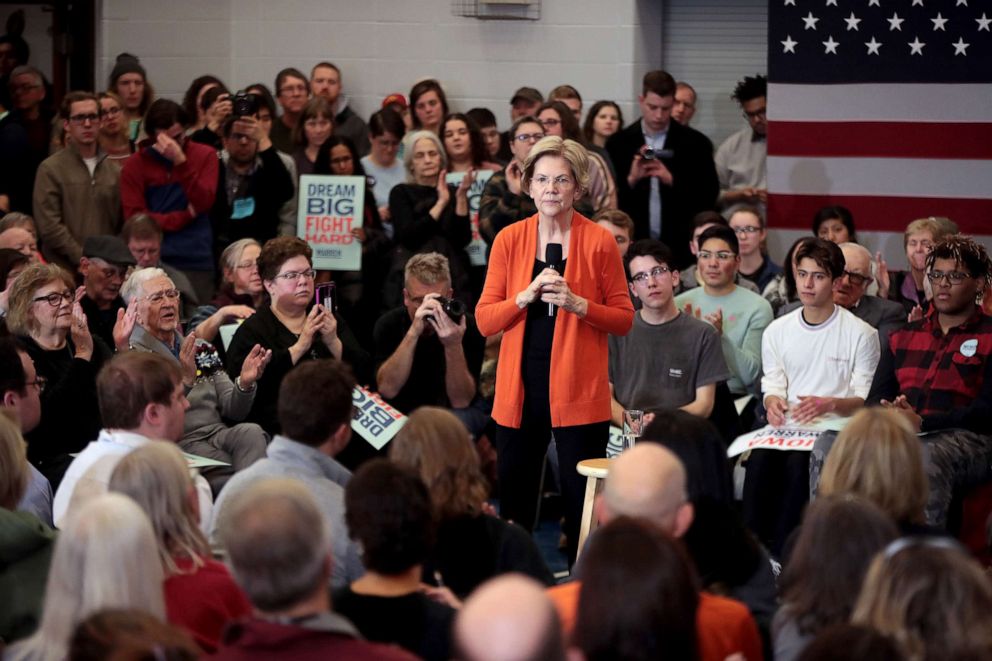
(509, 618)
(429, 351)
(279, 550)
(212, 396)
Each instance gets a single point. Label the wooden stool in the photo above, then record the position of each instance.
(595, 471)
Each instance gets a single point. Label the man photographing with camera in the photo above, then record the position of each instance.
(428, 351)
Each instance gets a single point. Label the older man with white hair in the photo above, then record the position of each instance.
(212, 395)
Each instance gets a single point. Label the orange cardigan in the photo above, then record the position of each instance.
(580, 388)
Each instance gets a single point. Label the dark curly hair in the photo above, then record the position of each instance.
(965, 251)
(278, 251)
(388, 512)
(752, 87)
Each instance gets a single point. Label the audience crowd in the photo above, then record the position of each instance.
(179, 477)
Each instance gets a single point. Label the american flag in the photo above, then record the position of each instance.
(883, 106)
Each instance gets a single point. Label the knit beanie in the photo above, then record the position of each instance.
(126, 63)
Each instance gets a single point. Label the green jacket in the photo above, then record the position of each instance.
(26, 546)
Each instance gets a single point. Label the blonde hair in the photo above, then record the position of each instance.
(157, 478)
(427, 267)
(14, 473)
(20, 321)
(938, 226)
(104, 558)
(437, 445)
(552, 145)
(877, 456)
(931, 598)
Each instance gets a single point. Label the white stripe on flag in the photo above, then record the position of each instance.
(939, 102)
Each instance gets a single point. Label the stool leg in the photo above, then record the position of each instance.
(588, 523)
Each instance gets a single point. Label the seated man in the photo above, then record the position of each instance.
(424, 357)
(142, 400)
(648, 482)
(739, 316)
(818, 362)
(143, 237)
(279, 547)
(619, 225)
(687, 276)
(104, 266)
(938, 371)
(212, 396)
(850, 293)
(669, 360)
(314, 410)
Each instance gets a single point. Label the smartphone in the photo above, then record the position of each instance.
(325, 294)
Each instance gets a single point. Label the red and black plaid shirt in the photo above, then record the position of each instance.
(947, 379)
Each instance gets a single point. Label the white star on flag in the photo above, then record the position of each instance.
(789, 2)
(852, 21)
(830, 46)
(873, 46)
(831, 2)
(874, 3)
(895, 23)
(962, 2)
(916, 46)
(938, 23)
(917, 2)
(960, 47)
(810, 21)
(983, 23)
(789, 46)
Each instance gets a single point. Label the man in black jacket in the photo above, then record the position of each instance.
(252, 184)
(665, 171)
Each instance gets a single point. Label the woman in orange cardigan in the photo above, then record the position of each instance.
(552, 371)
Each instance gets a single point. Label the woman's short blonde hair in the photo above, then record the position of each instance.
(157, 478)
(437, 445)
(877, 456)
(20, 321)
(931, 598)
(938, 226)
(551, 145)
(410, 141)
(14, 473)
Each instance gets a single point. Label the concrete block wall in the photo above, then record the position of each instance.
(384, 46)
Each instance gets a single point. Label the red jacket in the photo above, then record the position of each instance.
(580, 388)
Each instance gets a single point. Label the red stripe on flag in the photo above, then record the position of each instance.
(877, 213)
(881, 139)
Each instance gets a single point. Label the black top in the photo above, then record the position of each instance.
(472, 549)
(425, 385)
(70, 413)
(538, 337)
(101, 322)
(248, 207)
(265, 329)
(413, 621)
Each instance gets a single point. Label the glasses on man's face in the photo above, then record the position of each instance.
(722, 255)
(293, 89)
(27, 87)
(857, 279)
(291, 276)
(561, 181)
(757, 114)
(55, 300)
(82, 119)
(642, 277)
(159, 296)
(529, 137)
(746, 230)
(952, 277)
(39, 382)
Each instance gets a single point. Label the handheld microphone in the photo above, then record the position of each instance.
(553, 257)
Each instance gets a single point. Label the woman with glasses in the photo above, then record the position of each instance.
(291, 326)
(240, 293)
(556, 289)
(45, 313)
(748, 224)
(557, 119)
(315, 125)
(113, 137)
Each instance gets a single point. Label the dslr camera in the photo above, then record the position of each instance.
(244, 104)
(453, 308)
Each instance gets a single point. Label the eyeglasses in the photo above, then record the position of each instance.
(560, 181)
(529, 137)
(14, 89)
(857, 279)
(159, 296)
(39, 381)
(293, 89)
(247, 266)
(290, 276)
(723, 255)
(747, 229)
(952, 277)
(110, 112)
(757, 114)
(82, 119)
(656, 272)
(550, 122)
(55, 300)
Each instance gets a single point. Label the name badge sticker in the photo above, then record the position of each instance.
(969, 347)
(244, 207)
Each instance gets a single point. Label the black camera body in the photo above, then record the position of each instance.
(455, 309)
(650, 154)
(244, 104)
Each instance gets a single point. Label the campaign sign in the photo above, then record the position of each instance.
(476, 249)
(374, 420)
(330, 207)
(775, 438)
